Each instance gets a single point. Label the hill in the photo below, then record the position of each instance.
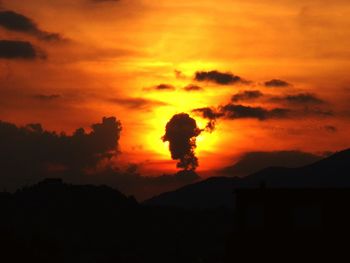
(57, 222)
(333, 171)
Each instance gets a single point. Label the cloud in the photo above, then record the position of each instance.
(237, 111)
(211, 114)
(164, 87)
(30, 153)
(253, 162)
(276, 83)
(32, 149)
(47, 97)
(218, 77)
(234, 110)
(19, 23)
(14, 49)
(137, 103)
(307, 111)
(301, 99)
(193, 87)
(208, 113)
(247, 95)
(181, 133)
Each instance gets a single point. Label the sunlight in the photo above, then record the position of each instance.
(206, 142)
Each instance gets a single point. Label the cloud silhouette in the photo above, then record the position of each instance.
(208, 113)
(218, 77)
(181, 132)
(211, 114)
(247, 95)
(237, 111)
(298, 105)
(29, 154)
(137, 103)
(301, 99)
(276, 83)
(14, 49)
(31, 148)
(164, 87)
(193, 87)
(16, 22)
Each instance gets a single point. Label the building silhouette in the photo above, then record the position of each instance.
(290, 224)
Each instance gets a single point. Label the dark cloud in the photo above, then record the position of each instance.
(31, 148)
(164, 87)
(181, 132)
(192, 87)
(217, 77)
(210, 114)
(29, 154)
(16, 22)
(47, 97)
(301, 98)
(253, 162)
(299, 105)
(318, 112)
(235, 111)
(13, 49)
(137, 103)
(276, 83)
(247, 95)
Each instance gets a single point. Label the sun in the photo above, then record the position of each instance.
(178, 102)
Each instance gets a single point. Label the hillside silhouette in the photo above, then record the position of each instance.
(253, 162)
(333, 171)
(57, 222)
(53, 221)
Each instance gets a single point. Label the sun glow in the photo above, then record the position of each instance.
(178, 101)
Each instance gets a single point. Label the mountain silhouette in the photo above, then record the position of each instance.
(214, 192)
(252, 162)
(333, 171)
(57, 222)
(53, 221)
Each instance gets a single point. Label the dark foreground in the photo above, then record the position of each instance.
(56, 222)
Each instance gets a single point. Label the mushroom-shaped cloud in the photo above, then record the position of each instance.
(181, 132)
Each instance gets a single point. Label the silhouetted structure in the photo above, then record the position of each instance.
(273, 209)
(290, 224)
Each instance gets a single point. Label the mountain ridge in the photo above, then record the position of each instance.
(316, 175)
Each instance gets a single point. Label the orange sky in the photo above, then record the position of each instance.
(112, 55)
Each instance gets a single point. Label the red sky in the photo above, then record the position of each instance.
(111, 56)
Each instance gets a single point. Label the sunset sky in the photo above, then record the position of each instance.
(275, 73)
